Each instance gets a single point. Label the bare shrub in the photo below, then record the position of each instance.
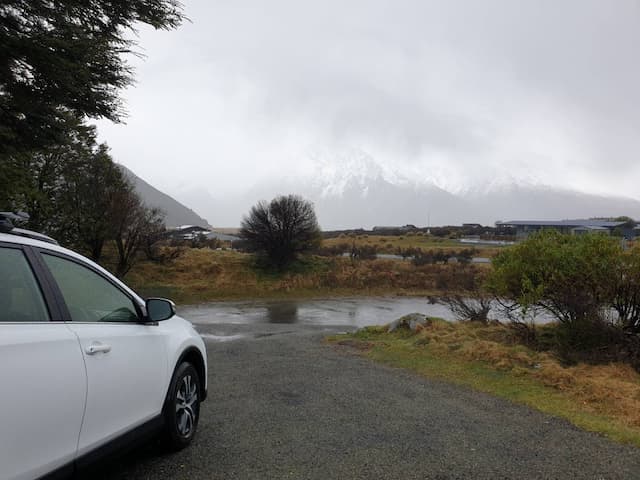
(281, 230)
(521, 321)
(474, 309)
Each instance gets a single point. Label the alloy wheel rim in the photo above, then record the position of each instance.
(186, 399)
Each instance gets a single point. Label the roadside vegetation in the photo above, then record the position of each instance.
(588, 284)
(202, 274)
(77, 194)
(281, 254)
(492, 358)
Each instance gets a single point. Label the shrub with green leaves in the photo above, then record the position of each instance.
(626, 300)
(571, 277)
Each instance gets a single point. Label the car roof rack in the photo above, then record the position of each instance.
(6, 226)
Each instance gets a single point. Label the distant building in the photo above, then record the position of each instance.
(404, 228)
(524, 228)
(191, 232)
(225, 237)
(187, 232)
(190, 229)
(590, 229)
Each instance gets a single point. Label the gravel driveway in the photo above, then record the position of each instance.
(284, 405)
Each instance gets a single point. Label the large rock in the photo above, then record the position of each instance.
(412, 321)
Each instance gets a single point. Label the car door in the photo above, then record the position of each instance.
(126, 360)
(42, 375)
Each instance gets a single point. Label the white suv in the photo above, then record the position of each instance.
(85, 363)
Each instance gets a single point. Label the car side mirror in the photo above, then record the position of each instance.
(159, 309)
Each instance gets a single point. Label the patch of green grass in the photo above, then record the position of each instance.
(406, 350)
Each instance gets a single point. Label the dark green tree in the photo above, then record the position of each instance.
(281, 229)
(134, 224)
(88, 201)
(35, 180)
(61, 57)
(75, 192)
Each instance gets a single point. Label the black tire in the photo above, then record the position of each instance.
(182, 410)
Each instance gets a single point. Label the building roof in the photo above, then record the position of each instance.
(222, 236)
(191, 227)
(563, 223)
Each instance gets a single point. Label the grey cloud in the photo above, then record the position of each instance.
(530, 89)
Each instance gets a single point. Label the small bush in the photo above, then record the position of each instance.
(475, 309)
(573, 278)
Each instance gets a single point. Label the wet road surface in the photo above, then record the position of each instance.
(283, 404)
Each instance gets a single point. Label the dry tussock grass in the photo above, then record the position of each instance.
(390, 243)
(612, 390)
(204, 274)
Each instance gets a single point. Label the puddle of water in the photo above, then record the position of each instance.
(353, 312)
(221, 338)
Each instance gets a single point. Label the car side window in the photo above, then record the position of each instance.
(89, 296)
(21, 299)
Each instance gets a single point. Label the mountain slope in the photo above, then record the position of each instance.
(354, 191)
(176, 213)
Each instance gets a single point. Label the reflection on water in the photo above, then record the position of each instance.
(282, 312)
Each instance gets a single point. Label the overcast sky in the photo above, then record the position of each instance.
(460, 93)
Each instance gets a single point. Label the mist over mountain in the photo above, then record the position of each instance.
(362, 194)
(385, 204)
(544, 203)
(176, 213)
(357, 192)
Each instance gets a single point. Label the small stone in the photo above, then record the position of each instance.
(412, 321)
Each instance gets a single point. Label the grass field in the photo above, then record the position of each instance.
(598, 398)
(391, 243)
(200, 275)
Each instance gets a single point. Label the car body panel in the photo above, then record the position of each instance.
(181, 336)
(43, 397)
(124, 390)
(126, 386)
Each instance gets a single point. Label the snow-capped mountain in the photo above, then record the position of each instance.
(349, 171)
(353, 191)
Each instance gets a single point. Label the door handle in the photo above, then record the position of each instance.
(97, 347)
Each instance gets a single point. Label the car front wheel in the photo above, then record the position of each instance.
(182, 409)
